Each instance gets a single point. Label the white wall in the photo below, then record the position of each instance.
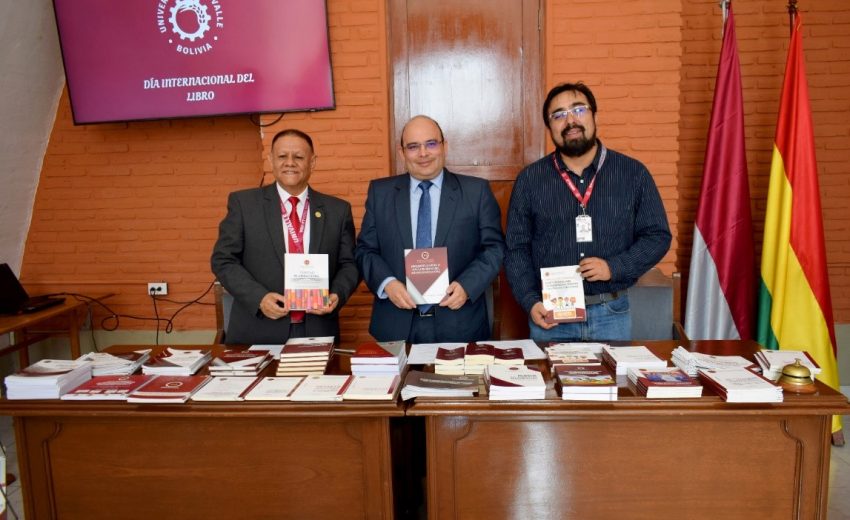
(31, 81)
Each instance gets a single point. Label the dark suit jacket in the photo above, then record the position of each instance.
(248, 261)
(468, 225)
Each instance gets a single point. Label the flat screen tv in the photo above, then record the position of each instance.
(131, 60)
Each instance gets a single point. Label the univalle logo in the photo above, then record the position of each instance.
(191, 26)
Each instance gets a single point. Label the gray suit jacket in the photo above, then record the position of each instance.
(248, 260)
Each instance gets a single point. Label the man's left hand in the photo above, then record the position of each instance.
(455, 297)
(594, 269)
(333, 301)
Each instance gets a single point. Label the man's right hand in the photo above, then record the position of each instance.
(273, 306)
(538, 316)
(397, 293)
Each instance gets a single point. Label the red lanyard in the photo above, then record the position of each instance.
(293, 235)
(581, 200)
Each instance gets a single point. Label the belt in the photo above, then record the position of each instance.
(427, 314)
(595, 299)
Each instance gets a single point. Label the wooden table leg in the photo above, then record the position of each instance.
(74, 333)
(24, 353)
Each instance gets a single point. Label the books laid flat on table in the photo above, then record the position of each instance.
(741, 385)
(321, 388)
(621, 359)
(773, 361)
(107, 388)
(691, 362)
(372, 388)
(418, 383)
(168, 389)
(273, 389)
(574, 354)
(125, 363)
(306, 281)
(449, 360)
(477, 356)
(563, 294)
(506, 382)
(508, 356)
(305, 356)
(234, 362)
(379, 358)
(176, 362)
(224, 388)
(585, 382)
(664, 383)
(47, 379)
(427, 274)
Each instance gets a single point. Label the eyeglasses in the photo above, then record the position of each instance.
(431, 145)
(577, 112)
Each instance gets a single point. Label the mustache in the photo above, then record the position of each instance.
(571, 127)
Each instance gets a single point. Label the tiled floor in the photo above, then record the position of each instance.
(839, 475)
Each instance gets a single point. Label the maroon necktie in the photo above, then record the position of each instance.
(295, 316)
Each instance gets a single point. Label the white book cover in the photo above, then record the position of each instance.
(273, 389)
(372, 388)
(306, 281)
(637, 356)
(225, 388)
(563, 294)
(321, 388)
(743, 386)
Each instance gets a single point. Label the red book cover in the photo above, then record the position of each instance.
(449, 354)
(108, 387)
(480, 349)
(508, 354)
(306, 349)
(427, 272)
(167, 386)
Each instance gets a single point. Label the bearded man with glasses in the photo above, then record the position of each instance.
(429, 206)
(583, 205)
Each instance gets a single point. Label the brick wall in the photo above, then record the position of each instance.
(122, 204)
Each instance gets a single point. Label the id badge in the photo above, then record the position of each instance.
(584, 229)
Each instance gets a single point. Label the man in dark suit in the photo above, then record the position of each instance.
(261, 225)
(464, 218)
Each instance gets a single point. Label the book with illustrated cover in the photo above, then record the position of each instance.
(669, 382)
(585, 382)
(427, 272)
(306, 281)
(563, 294)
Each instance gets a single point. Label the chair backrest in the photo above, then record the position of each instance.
(656, 310)
(223, 305)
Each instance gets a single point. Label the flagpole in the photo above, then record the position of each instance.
(792, 13)
(724, 7)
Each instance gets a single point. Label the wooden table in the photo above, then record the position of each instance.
(256, 460)
(23, 325)
(634, 458)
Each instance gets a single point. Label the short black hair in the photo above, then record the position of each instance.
(564, 87)
(421, 116)
(296, 133)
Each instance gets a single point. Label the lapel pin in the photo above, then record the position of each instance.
(318, 214)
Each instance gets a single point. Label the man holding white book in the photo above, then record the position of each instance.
(265, 224)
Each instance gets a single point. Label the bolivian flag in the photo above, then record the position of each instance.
(795, 309)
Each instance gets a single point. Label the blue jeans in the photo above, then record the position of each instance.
(606, 321)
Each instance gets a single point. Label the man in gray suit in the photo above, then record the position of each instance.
(261, 225)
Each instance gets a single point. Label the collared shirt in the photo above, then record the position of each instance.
(630, 229)
(302, 200)
(416, 195)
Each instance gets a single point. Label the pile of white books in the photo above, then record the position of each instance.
(449, 360)
(477, 357)
(668, 382)
(118, 364)
(47, 379)
(176, 362)
(379, 358)
(321, 388)
(425, 384)
(224, 388)
(233, 362)
(585, 382)
(107, 388)
(741, 385)
(305, 356)
(168, 389)
(506, 382)
(621, 359)
(372, 388)
(773, 361)
(273, 389)
(574, 354)
(691, 362)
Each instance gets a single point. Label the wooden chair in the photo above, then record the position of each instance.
(223, 305)
(656, 307)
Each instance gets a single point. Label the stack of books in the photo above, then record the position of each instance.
(425, 384)
(477, 356)
(107, 388)
(574, 354)
(585, 382)
(773, 361)
(233, 362)
(176, 362)
(372, 388)
(691, 362)
(106, 364)
(379, 358)
(47, 379)
(273, 389)
(225, 388)
(514, 383)
(305, 356)
(168, 389)
(321, 388)
(664, 383)
(621, 359)
(449, 361)
(508, 356)
(741, 385)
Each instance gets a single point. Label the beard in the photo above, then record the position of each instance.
(576, 147)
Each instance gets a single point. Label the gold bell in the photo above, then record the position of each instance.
(797, 378)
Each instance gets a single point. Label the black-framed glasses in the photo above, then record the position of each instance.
(578, 112)
(431, 145)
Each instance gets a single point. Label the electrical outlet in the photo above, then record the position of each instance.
(157, 288)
